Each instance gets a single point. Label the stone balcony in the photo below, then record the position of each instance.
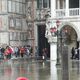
(59, 13)
(63, 13)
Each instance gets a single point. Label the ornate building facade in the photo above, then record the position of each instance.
(13, 27)
(23, 22)
(63, 26)
(37, 12)
(53, 24)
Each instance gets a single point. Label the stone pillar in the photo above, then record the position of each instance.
(65, 63)
(67, 8)
(53, 51)
(53, 8)
(53, 47)
(57, 4)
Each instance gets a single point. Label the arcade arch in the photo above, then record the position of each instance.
(68, 35)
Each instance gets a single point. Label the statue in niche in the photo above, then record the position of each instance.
(47, 33)
(29, 12)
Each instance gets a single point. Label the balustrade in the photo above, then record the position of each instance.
(74, 12)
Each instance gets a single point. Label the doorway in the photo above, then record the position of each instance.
(42, 41)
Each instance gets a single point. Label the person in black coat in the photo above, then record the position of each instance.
(73, 53)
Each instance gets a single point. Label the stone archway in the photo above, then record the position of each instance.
(68, 36)
(70, 25)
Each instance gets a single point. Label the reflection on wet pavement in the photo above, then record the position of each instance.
(36, 70)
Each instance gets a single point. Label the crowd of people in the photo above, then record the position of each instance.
(75, 53)
(10, 52)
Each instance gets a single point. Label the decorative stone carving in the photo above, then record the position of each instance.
(48, 34)
(29, 12)
(52, 39)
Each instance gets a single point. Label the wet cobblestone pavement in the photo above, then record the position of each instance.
(36, 70)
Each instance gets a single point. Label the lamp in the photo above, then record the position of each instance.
(57, 33)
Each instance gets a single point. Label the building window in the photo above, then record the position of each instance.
(39, 3)
(11, 22)
(23, 9)
(18, 23)
(15, 23)
(20, 8)
(14, 36)
(17, 7)
(13, 7)
(43, 4)
(23, 36)
(9, 4)
(11, 36)
(3, 5)
(73, 3)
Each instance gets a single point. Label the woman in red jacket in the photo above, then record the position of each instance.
(22, 51)
(8, 52)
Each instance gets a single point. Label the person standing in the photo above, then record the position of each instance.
(8, 52)
(45, 52)
(16, 51)
(22, 51)
(73, 53)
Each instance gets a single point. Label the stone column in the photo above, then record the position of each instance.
(53, 8)
(58, 4)
(53, 47)
(67, 8)
(58, 50)
(53, 51)
(65, 63)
